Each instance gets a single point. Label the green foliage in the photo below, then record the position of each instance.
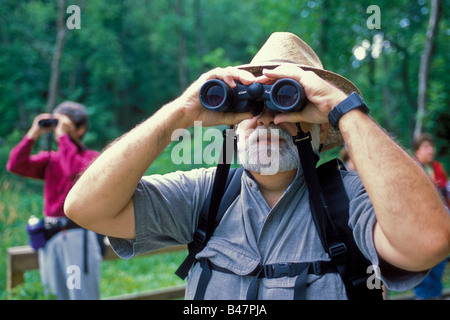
(125, 61)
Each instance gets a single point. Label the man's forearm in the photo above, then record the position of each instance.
(107, 186)
(413, 226)
(102, 198)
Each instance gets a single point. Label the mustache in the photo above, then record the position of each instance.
(273, 132)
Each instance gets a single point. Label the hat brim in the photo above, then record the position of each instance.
(333, 138)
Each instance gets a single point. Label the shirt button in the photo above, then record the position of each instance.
(250, 184)
(270, 217)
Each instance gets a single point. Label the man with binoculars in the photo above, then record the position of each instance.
(270, 241)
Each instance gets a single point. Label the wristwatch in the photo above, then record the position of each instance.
(353, 101)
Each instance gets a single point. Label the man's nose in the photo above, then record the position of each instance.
(266, 118)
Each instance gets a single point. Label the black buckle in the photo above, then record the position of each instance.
(338, 253)
(301, 137)
(278, 270)
(284, 269)
(199, 237)
(317, 268)
(268, 271)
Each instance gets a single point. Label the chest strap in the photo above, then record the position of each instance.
(268, 271)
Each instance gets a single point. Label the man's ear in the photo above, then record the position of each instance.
(323, 131)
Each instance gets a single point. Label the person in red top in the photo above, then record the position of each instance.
(69, 262)
(424, 151)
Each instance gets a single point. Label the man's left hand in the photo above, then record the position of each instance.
(322, 95)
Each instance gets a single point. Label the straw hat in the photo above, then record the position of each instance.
(287, 48)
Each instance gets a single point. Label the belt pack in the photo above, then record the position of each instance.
(54, 226)
(40, 231)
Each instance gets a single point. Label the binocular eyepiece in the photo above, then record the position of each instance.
(285, 95)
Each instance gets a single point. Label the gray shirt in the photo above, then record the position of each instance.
(167, 208)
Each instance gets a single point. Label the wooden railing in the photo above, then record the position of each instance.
(24, 258)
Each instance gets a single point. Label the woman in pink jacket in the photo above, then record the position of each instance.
(70, 260)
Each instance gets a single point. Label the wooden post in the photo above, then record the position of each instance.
(20, 259)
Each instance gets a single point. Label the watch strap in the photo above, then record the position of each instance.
(353, 101)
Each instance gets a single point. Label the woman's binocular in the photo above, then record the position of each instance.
(285, 95)
(46, 123)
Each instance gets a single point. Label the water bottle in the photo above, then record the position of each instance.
(36, 233)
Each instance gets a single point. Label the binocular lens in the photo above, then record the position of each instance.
(214, 96)
(287, 96)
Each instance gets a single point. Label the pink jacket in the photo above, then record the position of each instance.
(59, 169)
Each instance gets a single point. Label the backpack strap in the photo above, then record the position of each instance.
(268, 271)
(330, 212)
(350, 262)
(317, 202)
(212, 211)
(295, 269)
(200, 239)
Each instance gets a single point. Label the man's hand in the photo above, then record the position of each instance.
(411, 232)
(322, 95)
(193, 109)
(108, 185)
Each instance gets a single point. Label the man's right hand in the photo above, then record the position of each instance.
(193, 109)
(102, 198)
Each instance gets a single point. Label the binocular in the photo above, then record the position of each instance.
(46, 123)
(285, 95)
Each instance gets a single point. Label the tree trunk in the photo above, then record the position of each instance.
(57, 54)
(198, 32)
(425, 62)
(324, 23)
(182, 46)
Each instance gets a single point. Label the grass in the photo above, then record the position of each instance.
(140, 274)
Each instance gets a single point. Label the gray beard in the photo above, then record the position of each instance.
(268, 158)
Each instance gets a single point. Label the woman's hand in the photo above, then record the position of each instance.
(35, 130)
(64, 126)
